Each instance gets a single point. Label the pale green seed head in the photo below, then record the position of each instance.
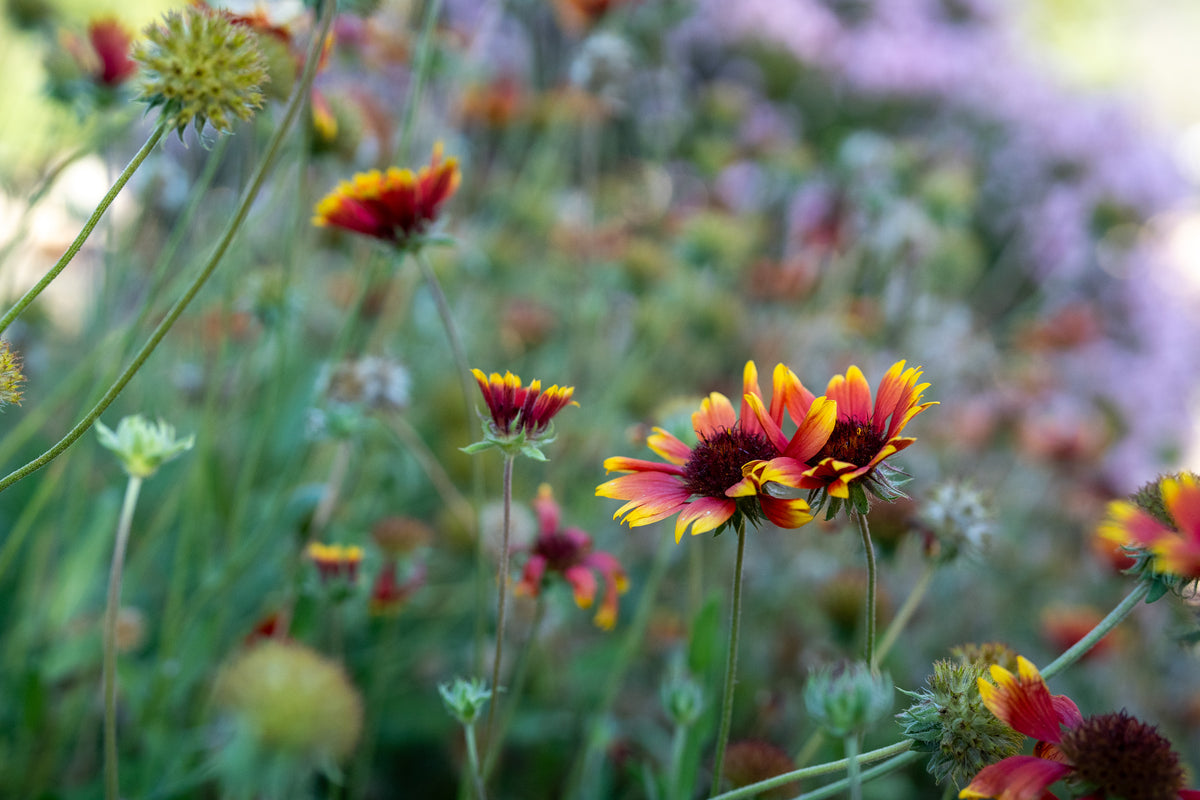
(200, 67)
(143, 446)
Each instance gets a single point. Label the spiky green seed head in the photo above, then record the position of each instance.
(200, 67)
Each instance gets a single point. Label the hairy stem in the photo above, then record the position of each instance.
(865, 530)
(731, 662)
(111, 783)
(898, 623)
(500, 601)
(817, 770)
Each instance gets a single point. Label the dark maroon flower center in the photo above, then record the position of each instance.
(716, 462)
(1122, 757)
(853, 441)
(559, 550)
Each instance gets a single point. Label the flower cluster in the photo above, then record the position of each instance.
(568, 552)
(744, 468)
(1112, 755)
(397, 206)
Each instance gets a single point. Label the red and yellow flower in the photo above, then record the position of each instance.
(568, 551)
(335, 561)
(112, 44)
(1113, 755)
(519, 417)
(1173, 549)
(731, 473)
(396, 206)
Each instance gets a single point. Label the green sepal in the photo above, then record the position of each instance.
(858, 499)
(1158, 588)
(478, 447)
(835, 505)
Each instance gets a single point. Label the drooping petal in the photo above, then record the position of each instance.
(531, 577)
(652, 496)
(583, 584)
(703, 514)
(669, 447)
(1024, 703)
(814, 430)
(852, 394)
(716, 414)
(1015, 778)
(786, 512)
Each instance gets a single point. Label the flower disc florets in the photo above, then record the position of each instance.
(716, 463)
(1118, 756)
(11, 377)
(200, 67)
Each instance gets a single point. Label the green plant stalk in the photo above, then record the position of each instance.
(675, 765)
(853, 774)
(1080, 648)
(835, 788)
(520, 675)
(235, 224)
(473, 761)
(458, 505)
(865, 531)
(731, 663)
(904, 615)
(87, 229)
(899, 748)
(500, 603)
(433, 10)
(111, 783)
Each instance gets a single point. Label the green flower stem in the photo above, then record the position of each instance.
(333, 487)
(473, 761)
(852, 768)
(87, 229)
(731, 663)
(503, 594)
(675, 766)
(520, 675)
(904, 615)
(1097, 633)
(835, 788)
(235, 224)
(111, 784)
(899, 748)
(865, 530)
(433, 10)
(455, 502)
(810, 747)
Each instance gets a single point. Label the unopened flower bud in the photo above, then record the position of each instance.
(143, 446)
(465, 699)
(848, 700)
(683, 700)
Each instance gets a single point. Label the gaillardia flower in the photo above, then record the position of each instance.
(335, 562)
(1166, 526)
(731, 474)
(1109, 756)
(112, 44)
(519, 417)
(568, 551)
(396, 206)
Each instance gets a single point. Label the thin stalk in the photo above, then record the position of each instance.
(853, 773)
(865, 530)
(810, 746)
(678, 747)
(87, 229)
(333, 487)
(473, 760)
(503, 594)
(420, 76)
(520, 675)
(111, 784)
(1097, 633)
(235, 223)
(817, 770)
(837, 787)
(898, 623)
(411, 439)
(731, 664)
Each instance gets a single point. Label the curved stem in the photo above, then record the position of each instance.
(86, 231)
(1097, 633)
(902, 760)
(731, 662)
(898, 623)
(111, 784)
(901, 747)
(503, 593)
(168, 321)
(865, 530)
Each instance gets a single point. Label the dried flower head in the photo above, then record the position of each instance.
(201, 67)
(292, 700)
(11, 377)
(373, 383)
(143, 446)
(956, 515)
(400, 536)
(752, 761)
